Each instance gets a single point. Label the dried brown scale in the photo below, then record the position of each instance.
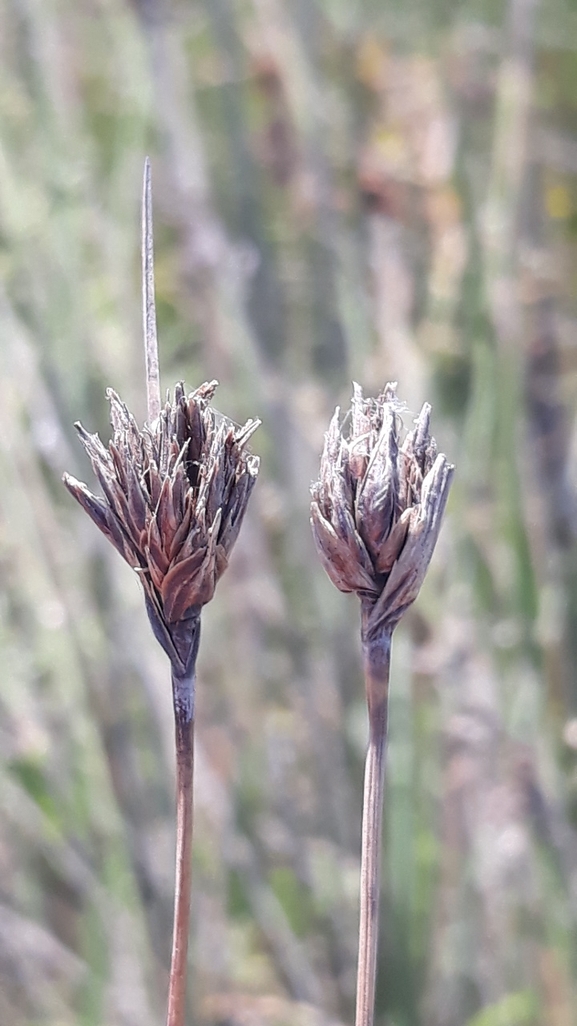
(175, 495)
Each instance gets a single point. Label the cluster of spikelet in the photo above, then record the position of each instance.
(175, 495)
(377, 508)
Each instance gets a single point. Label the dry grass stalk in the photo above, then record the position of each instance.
(174, 497)
(376, 513)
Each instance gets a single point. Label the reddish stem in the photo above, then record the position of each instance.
(183, 691)
(376, 660)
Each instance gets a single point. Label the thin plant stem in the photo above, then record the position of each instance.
(183, 697)
(376, 661)
(148, 301)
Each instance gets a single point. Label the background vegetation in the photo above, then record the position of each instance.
(342, 191)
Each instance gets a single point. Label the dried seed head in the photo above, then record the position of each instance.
(175, 495)
(376, 510)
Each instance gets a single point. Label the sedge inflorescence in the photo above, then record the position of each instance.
(377, 507)
(175, 494)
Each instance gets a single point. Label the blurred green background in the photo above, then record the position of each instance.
(341, 191)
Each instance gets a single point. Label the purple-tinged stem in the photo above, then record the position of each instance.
(376, 663)
(183, 698)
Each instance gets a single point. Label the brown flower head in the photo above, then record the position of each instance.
(376, 510)
(175, 495)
